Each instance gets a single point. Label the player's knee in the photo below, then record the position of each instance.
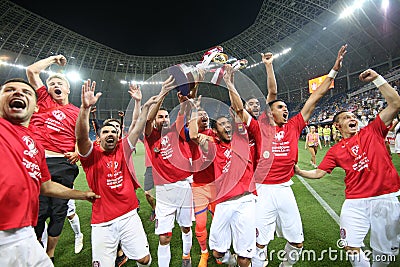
(260, 246)
(165, 239)
(242, 261)
(185, 229)
(297, 245)
(55, 229)
(352, 250)
(145, 261)
(217, 254)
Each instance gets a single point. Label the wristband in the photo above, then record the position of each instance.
(332, 74)
(379, 81)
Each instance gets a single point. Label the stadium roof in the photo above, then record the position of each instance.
(25, 32)
(313, 29)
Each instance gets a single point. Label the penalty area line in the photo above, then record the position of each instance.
(320, 200)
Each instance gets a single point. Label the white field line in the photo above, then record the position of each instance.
(321, 201)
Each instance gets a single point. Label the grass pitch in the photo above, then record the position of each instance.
(321, 232)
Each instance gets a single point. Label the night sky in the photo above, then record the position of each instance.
(151, 28)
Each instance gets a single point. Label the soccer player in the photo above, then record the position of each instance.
(252, 104)
(172, 175)
(24, 178)
(109, 170)
(229, 148)
(54, 127)
(276, 202)
(203, 186)
(372, 181)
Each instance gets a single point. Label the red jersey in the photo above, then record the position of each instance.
(54, 124)
(23, 171)
(108, 175)
(368, 166)
(147, 160)
(169, 155)
(203, 171)
(253, 147)
(279, 167)
(233, 163)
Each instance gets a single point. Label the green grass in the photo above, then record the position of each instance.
(320, 230)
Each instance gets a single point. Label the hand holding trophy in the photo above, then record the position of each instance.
(187, 76)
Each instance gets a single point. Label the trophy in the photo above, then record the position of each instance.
(187, 77)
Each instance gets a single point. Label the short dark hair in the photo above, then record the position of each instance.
(213, 122)
(251, 97)
(20, 80)
(105, 125)
(270, 103)
(336, 117)
(111, 120)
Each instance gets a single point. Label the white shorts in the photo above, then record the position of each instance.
(232, 220)
(129, 231)
(327, 138)
(174, 201)
(277, 210)
(24, 252)
(381, 215)
(71, 207)
(397, 143)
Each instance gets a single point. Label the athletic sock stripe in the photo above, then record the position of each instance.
(201, 211)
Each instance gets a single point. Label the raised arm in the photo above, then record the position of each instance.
(311, 174)
(94, 121)
(141, 121)
(195, 136)
(82, 124)
(167, 86)
(271, 80)
(312, 101)
(136, 94)
(388, 92)
(236, 101)
(33, 71)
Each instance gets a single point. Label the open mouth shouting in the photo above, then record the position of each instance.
(57, 91)
(110, 140)
(17, 104)
(353, 126)
(256, 111)
(285, 115)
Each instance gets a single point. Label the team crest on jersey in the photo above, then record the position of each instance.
(96, 264)
(109, 164)
(59, 115)
(266, 154)
(279, 136)
(355, 149)
(164, 140)
(31, 146)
